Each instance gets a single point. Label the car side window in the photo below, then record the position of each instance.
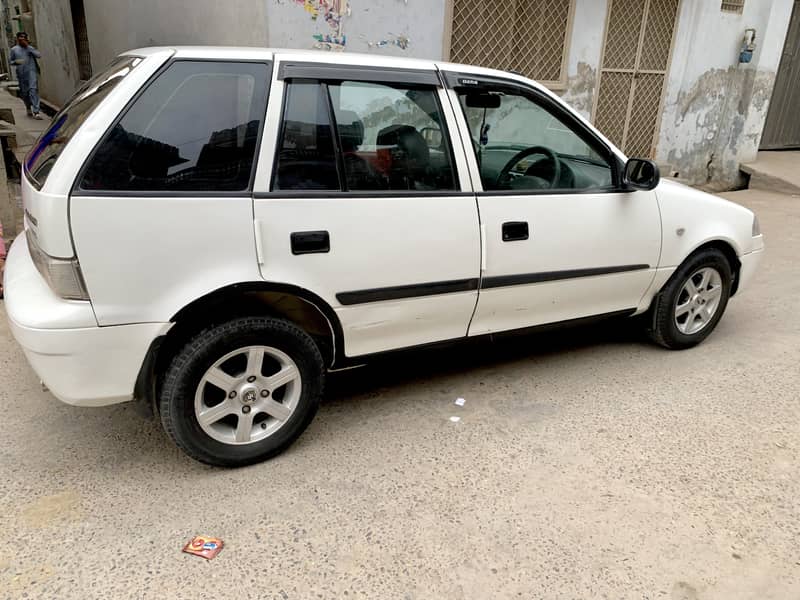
(520, 145)
(306, 158)
(194, 128)
(392, 137)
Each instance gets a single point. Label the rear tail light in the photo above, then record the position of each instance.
(63, 275)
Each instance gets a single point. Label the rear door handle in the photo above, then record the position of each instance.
(310, 242)
(515, 231)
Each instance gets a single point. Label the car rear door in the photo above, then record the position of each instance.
(562, 241)
(362, 199)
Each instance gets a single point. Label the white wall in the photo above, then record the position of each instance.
(715, 108)
(55, 39)
(118, 25)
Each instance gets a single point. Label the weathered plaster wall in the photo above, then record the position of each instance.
(583, 60)
(118, 25)
(413, 28)
(56, 41)
(715, 108)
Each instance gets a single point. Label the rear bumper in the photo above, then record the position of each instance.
(82, 364)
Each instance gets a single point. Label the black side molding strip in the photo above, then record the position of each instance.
(407, 291)
(467, 285)
(527, 278)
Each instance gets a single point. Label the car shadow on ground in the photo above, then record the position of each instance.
(113, 436)
(403, 367)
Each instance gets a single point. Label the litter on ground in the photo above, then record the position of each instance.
(202, 545)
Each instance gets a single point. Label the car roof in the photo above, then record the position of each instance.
(327, 57)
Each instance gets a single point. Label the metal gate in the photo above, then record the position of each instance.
(782, 129)
(636, 54)
(527, 36)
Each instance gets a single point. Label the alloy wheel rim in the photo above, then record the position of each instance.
(247, 395)
(698, 301)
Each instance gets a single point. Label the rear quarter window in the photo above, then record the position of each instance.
(195, 128)
(50, 145)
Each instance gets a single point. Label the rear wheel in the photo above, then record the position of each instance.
(693, 300)
(242, 392)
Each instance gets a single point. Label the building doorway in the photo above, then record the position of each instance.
(636, 55)
(782, 128)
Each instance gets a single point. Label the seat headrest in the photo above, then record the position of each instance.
(351, 130)
(408, 139)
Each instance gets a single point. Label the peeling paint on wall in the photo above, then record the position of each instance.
(400, 41)
(333, 12)
(411, 28)
(715, 124)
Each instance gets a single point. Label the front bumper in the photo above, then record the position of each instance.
(82, 364)
(750, 262)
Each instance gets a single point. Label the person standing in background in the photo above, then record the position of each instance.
(23, 56)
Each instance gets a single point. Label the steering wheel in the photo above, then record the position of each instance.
(551, 157)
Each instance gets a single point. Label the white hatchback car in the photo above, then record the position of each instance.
(209, 230)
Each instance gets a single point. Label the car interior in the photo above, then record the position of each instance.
(535, 151)
(399, 158)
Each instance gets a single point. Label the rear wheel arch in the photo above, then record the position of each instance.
(297, 305)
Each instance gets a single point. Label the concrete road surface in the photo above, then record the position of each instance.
(585, 465)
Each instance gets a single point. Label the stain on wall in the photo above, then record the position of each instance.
(579, 93)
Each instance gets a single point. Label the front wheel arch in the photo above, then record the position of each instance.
(730, 254)
(659, 326)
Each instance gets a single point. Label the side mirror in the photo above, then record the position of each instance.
(433, 137)
(640, 174)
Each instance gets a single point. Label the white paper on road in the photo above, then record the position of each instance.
(460, 401)
(455, 419)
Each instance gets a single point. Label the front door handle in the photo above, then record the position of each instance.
(515, 231)
(310, 242)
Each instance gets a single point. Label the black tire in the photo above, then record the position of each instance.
(663, 329)
(190, 363)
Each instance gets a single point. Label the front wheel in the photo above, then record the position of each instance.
(693, 301)
(243, 391)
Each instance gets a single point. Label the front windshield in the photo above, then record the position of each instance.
(48, 148)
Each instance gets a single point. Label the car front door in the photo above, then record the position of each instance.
(362, 199)
(561, 240)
